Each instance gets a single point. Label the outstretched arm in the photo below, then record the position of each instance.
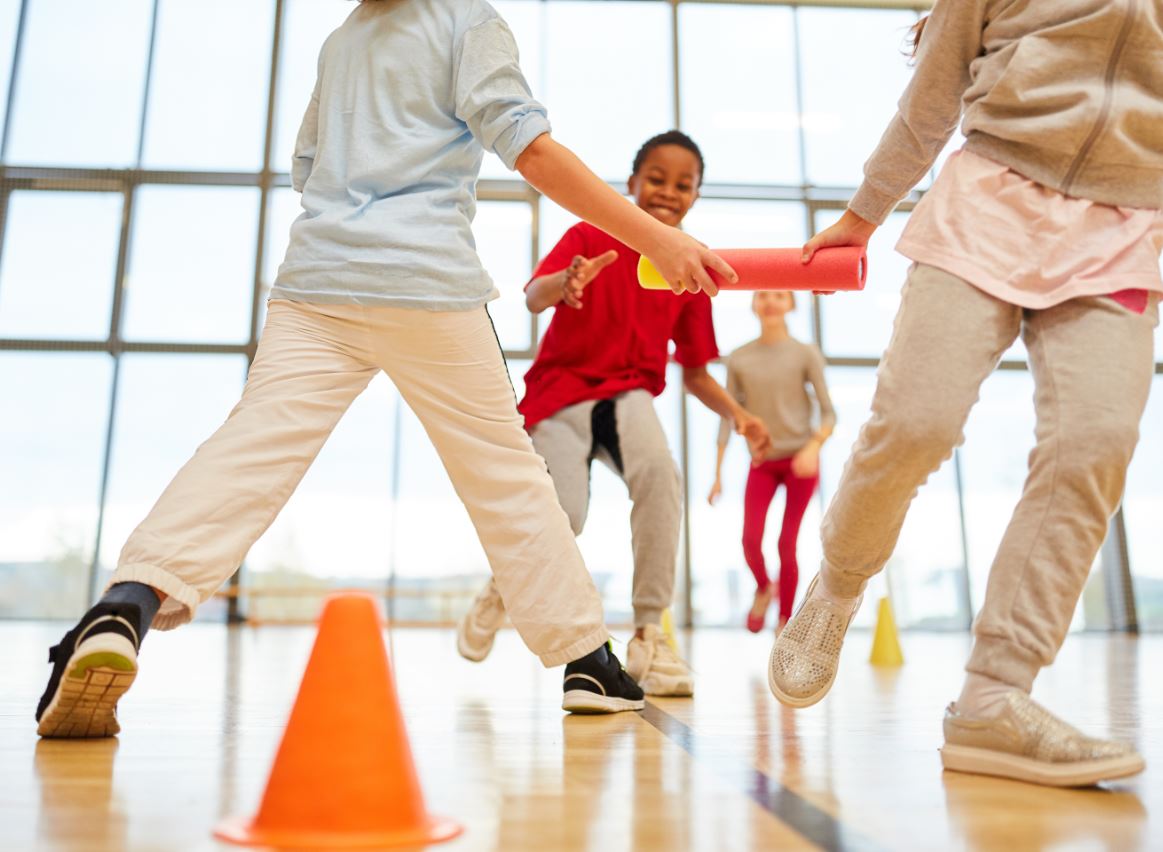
(554, 170)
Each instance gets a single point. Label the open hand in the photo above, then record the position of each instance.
(716, 491)
(580, 273)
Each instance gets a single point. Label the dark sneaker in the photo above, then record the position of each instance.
(595, 686)
(93, 666)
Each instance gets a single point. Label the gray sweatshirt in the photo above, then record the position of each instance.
(770, 381)
(1068, 93)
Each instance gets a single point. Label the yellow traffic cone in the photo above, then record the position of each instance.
(886, 647)
(668, 630)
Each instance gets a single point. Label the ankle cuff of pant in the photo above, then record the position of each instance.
(181, 600)
(643, 617)
(841, 584)
(575, 650)
(1003, 660)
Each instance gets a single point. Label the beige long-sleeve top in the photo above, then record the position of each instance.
(1067, 93)
(771, 381)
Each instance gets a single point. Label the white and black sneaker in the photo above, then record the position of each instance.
(93, 666)
(597, 683)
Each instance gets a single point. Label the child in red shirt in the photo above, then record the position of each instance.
(589, 394)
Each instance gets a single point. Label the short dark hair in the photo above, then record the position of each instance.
(670, 137)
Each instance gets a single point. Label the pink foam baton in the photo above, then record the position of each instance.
(829, 270)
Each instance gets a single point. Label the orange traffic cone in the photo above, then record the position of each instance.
(343, 776)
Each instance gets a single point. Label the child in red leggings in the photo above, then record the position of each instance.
(770, 376)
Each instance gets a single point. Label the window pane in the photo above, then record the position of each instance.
(167, 405)
(504, 237)
(9, 20)
(1142, 509)
(306, 23)
(336, 528)
(191, 269)
(54, 450)
(208, 96)
(627, 83)
(527, 21)
(860, 324)
(724, 223)
(80, 83)
(998, 439)
(740, 104)
(59, 262)
(846, 113)
(925, 572)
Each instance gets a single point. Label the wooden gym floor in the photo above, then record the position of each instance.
(727, 770)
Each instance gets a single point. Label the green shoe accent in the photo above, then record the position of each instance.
(105, 659)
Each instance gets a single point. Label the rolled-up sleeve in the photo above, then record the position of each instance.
(492, 95)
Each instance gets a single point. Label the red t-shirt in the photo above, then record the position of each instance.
(619, 340)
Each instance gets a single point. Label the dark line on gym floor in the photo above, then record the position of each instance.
(788, 807)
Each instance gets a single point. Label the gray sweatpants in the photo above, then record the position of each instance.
(1092, 363)
(630, 441)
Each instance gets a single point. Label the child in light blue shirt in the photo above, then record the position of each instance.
(388, 172)
(410, 93)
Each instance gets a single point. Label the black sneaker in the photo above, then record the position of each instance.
(93, 666)
(595, 686)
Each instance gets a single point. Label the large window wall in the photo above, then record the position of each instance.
(145, 204)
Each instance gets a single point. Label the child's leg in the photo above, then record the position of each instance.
(635, 446)
(757, 497)
(303, 379)
(799, 496)
(655, 487)
(449, 368)
(1092, 365)
(306, 373)
(565, 442)
(947, 337)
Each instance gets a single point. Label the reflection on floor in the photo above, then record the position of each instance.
(727, 770)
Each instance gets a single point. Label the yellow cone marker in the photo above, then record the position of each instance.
(886, 646)
(668, 630)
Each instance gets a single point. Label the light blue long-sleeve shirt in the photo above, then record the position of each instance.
(409, 94)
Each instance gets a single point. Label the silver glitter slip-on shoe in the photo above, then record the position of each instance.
(806, 652)
(1027, 742)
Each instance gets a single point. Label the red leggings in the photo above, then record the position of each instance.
(761, 485)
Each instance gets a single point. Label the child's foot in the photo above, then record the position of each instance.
(597, 683)
(654, 664)
(93, 666)
(806, 653)
(479, 626)
(758, 615)
(1026, 742)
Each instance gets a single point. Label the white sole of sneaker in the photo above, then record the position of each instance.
(788, 700)
(474, 655)
(980, 761)
(585, 702)
(101, 669)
